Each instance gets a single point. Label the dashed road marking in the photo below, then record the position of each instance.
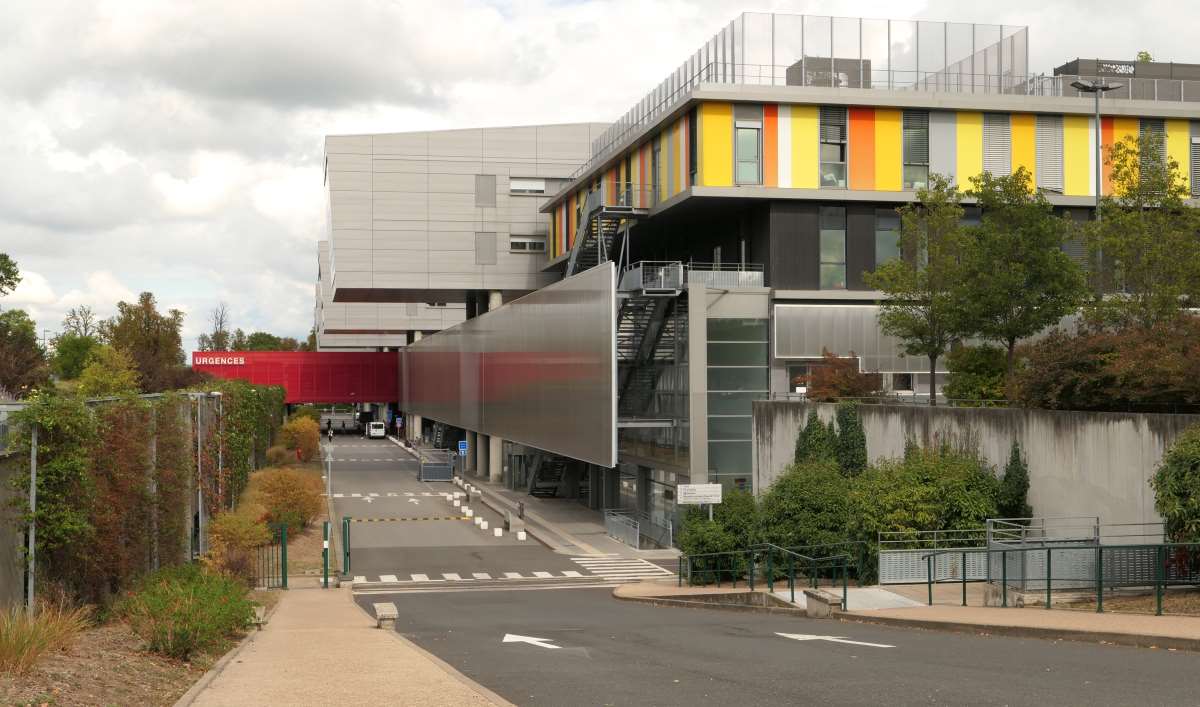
(481, 575)
(452, 576)
(542, 575)
(420, 577)
(387, 578)
(513, 575)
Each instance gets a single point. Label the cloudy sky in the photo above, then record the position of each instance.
(176, 146)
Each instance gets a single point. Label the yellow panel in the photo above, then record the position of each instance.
(661, 142)
(1126, 128)
(1024, 145)
(889, 151)
(716, 144)
(806, 167)
(673, 134)
(1178, 141)
(969, 148)
(1079, 178)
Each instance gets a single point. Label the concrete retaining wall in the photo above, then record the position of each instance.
(1080, 463)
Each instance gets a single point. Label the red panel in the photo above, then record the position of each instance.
(311, 377)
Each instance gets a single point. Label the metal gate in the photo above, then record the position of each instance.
(436, 465)
(270, 561)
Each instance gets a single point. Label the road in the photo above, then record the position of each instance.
(620, 653)
(421, 540)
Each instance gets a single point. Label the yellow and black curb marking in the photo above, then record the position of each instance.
(392, 520)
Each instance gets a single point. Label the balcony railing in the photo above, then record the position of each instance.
(726, 275)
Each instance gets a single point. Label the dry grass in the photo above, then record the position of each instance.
(24, 639)
(1178, 602)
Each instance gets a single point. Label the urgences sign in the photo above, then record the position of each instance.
(219, 361)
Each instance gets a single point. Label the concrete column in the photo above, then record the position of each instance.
(495, 467)
(415, 423)
(472, 452)
(481, 457)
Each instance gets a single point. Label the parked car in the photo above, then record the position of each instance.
(376, 430)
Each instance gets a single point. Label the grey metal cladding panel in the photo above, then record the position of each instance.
(943, 143)
(860, 244)
(1050, 152)
(485, 248)
(485, 190)
(997, 143)
(540, 370)
(805, 330)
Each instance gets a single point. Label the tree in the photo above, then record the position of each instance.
(851, 445)
(10, 276)
(310, 343)
(1145, 253)
(1175, 483)
(1016, 279)
(816, 442)
(977, 374)
(1014, 487)
(23, 364)
(219, 339)
(1144, 56)
(238, 343)
(153, 340)
(71, 353)
(922, 304)
(836, 378)
(262, 341)
(81, 321)
(109, 372)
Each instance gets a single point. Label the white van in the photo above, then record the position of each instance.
(376, 430)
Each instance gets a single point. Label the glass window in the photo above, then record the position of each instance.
(737, 330)
(915, 126)
(737, 354)
(729, 457)
(887, 235)
(748, 155)
(730, 428)
(526, 244)
(731, 403)
(833, 247)
(526, 186)
(735, 379)
(833, 147)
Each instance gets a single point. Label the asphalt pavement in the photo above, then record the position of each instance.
(582, 647)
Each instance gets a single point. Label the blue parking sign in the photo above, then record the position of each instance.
(462, 448)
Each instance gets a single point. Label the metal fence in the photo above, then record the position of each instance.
(902, 555)
(623, 526)
(726, 275)
(270, 561)
(436, 465)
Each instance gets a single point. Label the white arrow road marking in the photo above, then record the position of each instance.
(410, 494)
(539, 642)
(368, 499)
(834, 639)
(413, 500)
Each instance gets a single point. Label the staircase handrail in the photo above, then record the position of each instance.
(590, 205)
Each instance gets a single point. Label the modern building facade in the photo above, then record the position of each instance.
(739, 204)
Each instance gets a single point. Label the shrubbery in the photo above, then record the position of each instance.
(279, 456)
(808, 505)
(306, 411)
(235, 538)
(838, 377)
(1176, 485)
(845, 444)
(289, 496)
(976, 375)
(25, 639)
(182, 610)
(303, 435)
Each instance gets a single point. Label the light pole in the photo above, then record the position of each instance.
(221, 446)
(1096, 88)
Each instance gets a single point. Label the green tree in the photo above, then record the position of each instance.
(10, 276)
(263, 341)
(1144, 56)
(808, 505)
(238, 342)
(1016, 279)
(81, 321)
(922, 307)
(1145, 253)
(1014, 487)
(152, 339)
(23, 365)
(109, 372)
(977, 374)
(816, 442)
(851, 440)
(71, 353)
(310, 343)
(1175, 485)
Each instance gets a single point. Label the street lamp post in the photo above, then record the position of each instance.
(1096, 88)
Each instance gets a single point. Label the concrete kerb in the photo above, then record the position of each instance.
(1051, 634)
(206, 679)
(676, 602)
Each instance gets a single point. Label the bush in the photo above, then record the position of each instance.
(734, 527)
(807, 505)
(290, 496)
(279, 456)
(302, 435)
(306, 411)
(836, 377)
(816, 442)
(181, 610)
(1014, 487)
(23, 640)
(976, 374)
(851, 443)
(1176, 485)
(235, 538)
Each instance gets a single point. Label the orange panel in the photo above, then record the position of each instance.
(770, 145)
(1106, 141)
(862, 148)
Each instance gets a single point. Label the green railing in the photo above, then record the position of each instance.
(773, 563)
(271, 560)
(1094, 568)
(860, 566)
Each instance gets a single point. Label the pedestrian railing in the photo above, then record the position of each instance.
(1088, 570)
(270, 561)
(623, 526)
(767, 563)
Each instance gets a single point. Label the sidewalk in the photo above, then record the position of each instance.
(319, 648)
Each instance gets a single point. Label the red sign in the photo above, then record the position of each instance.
(311, 377)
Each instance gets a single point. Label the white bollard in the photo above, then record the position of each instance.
(478, 520)
(483, 525)
(498, 532)
(468, 512)
(520, 535)
(456, 503)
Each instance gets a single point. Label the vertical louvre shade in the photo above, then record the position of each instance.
(916, 137)
(997, 143)
(1195, 160)
(833, 124)
(1050, 152)
(1156, 130)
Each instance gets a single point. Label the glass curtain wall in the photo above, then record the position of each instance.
(737, 376)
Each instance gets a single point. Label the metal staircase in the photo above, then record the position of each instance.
(603, 230)
(651, 339)
(545, 480)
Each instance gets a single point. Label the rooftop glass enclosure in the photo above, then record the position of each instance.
(843, 52)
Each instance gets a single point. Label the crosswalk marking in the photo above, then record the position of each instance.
(616, 567)
(571, 573)
(452, 576)
(481, 575)
(356, 495)
(420, 578)
(410, 494)
(543, 575)
(513, 575)
(387, 578)
(459, 578)
(373, 495)
(359, 578)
